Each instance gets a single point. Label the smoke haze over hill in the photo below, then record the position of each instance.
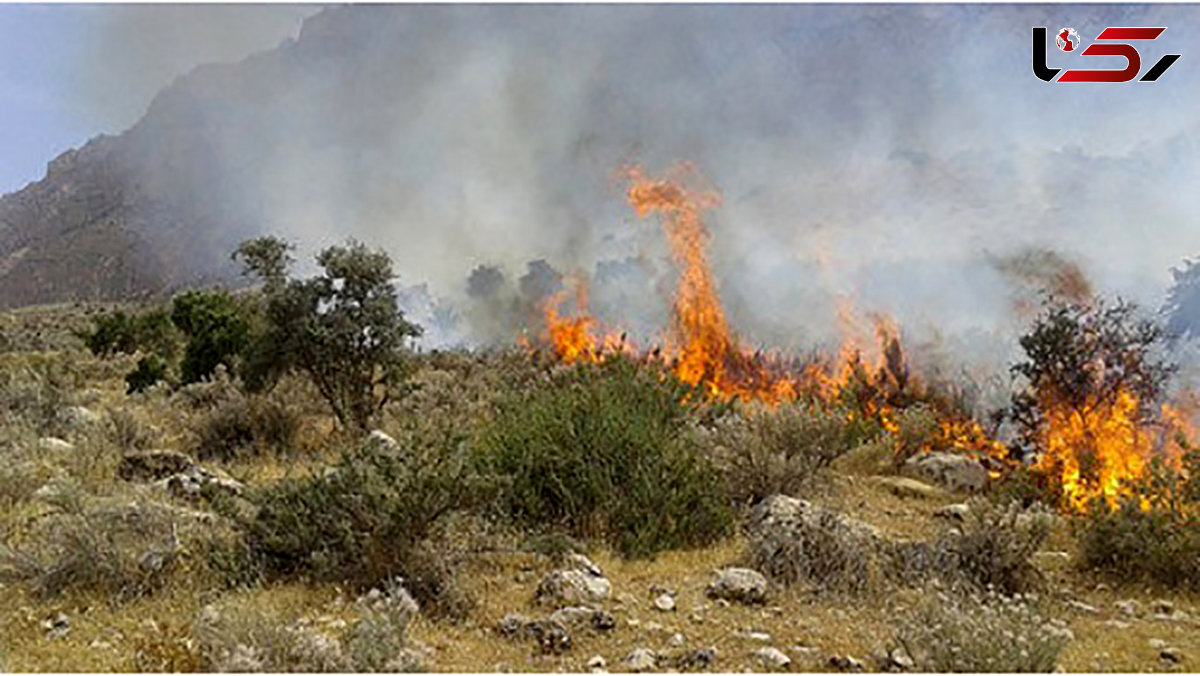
(885, 154)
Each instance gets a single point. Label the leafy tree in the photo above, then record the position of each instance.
(268, 258)
(217, 327)
(343, 327)
(121, 333)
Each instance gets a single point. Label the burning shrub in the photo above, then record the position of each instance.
(371, 517)
(1093, 381)
(601, 450)
(980, 633)
(778, 450)
(1153, 533)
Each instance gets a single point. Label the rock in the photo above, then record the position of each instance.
(57, 626)
(772, 658)
(55, 445)
(758, 636)
(1080, 606)
(576, 617)
(153, 465)
(954, 512)
(381, 440)
(641, 659)
(81, 416)
(1157, 643)
(572, 587)
(597, 662)
(193, 483)
(1162, 607)
(1171, 655)
(513, 625)
(900, 658)
(578, 561)
(676, 640)
(906, 487)
(1127, 607)
(665, 602)
(845, 663)
(794, 540)
(739, 584)
(693, 660)
(956, 472)
(552, 638)
(1117, 624)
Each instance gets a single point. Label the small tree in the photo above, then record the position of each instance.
(217, 327)
(343, 327)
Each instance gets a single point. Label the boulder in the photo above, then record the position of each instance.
(742, 585)
(566, 587)
(950, 470)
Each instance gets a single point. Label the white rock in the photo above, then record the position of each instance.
(665, 602)
(55, 445)
(772, 658)
(676, 640)
(641, 659)
(572, 587)
(597, 662)
(954, 471)
(739, 584)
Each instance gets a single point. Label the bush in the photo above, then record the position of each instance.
(217, 327)
(995, 547)
(600, 450)
(1153, 534)
(778, 450)
(123, 551)
(980, 632)
(370, 518)
(150, 370)
(246, 424)
(120, 333)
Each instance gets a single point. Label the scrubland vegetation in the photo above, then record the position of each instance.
(341, 502)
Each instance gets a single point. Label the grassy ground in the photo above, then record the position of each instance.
(155, 632)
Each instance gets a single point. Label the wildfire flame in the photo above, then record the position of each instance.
(1089, 451)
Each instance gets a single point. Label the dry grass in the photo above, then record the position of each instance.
(156, 632)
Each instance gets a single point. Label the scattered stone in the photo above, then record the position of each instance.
(665, 603)
(575, 617)
(1117, 624)
(772, 658)
(739, 584)
(907, 487)
(1162, 607)
(1080, 606)
(597, 663)
(512, 625)
(955, 512)
(1171, 655)
(153, 465)
(192, 484)
(55, 445)
(693, 660)
(641, 659)
(845, 663)
(1157, 644)
(955, 472)
(1127, 607)
(572, 587)
(676, 640)
(760, 636)
(900, 659)
(552, 638)
(57, 626)
(580, 562)
(81, 416)
(380, 440)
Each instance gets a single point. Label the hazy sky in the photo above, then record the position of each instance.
(73, 71)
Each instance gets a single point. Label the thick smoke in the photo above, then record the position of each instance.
(884, 155)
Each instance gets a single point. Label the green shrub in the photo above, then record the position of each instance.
(981, 633)
(120, 333)
(601, 450)
(150, 370)
(777, 450)
(217, 327)
(371, 517)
